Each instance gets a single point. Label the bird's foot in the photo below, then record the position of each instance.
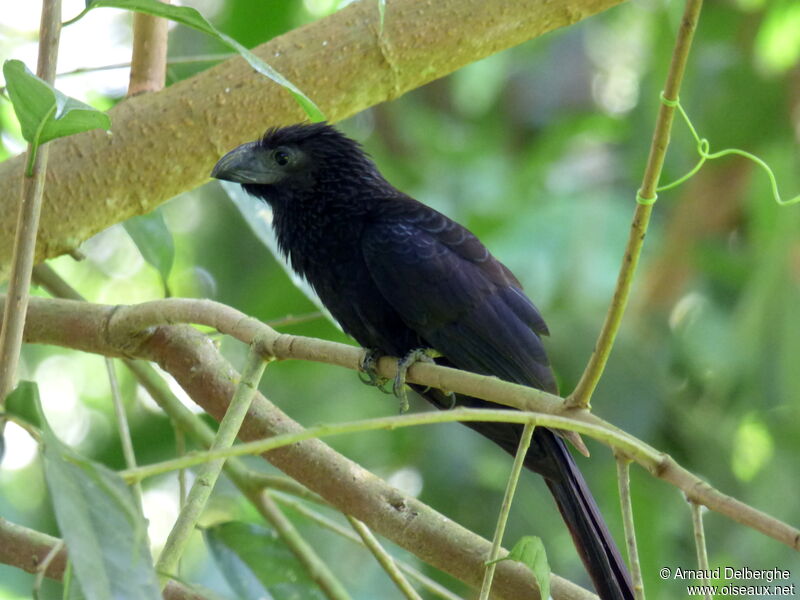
(403, 365)
(369, 367)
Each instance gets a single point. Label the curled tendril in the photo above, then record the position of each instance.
(704, 150)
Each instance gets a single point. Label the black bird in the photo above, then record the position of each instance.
(399, 276)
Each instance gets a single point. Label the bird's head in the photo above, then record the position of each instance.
(297, 159)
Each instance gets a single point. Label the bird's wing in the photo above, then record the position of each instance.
(461, 300)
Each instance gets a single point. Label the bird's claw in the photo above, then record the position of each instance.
(369, 368)
(403, 365)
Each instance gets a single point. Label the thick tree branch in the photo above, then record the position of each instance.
(128, 331)
(166, 142)
(194, 361)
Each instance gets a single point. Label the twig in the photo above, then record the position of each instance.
(624, 481)
(149, 58)
(646, 196)
(122, 424)
(384, 559)
(389, 423)
(505, 509)
(177, 60)
(700, 544)
(249, 483)
(209, 472)
(42, 568)
(260, 481)
(180, 450)
(323, 521)
(331, 586)
(174, 60)
(30, 208)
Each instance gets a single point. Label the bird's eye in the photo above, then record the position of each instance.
(281, 158)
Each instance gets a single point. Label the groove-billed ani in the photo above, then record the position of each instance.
(399, 276)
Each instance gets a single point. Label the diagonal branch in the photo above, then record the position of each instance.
(194, 361)
(165, 143)
(646, 197)
(128, 331)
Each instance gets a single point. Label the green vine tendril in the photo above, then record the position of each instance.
(703, 149)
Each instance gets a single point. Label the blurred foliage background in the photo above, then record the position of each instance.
(539, 150)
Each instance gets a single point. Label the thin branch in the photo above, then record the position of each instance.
(505, 509)
(700, 544)
(582, 394)
(173, 60)
(248, 482)
(149, 59)
(331, 525)
(180, 450)
(252, 484)
(207, 477)
(384, 559)
(27, 219)
(463, 415)
(44, 566)
(315, 566)
(122, 424)
(624, 481)
(262, 481)
(27, 549)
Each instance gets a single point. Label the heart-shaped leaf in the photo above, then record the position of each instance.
(43, 112)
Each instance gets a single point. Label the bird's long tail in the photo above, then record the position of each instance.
(548, 455)
(595, 545)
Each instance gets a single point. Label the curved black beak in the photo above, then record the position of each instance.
(246, 164)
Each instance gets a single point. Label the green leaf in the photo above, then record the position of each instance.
(257, 564)
(70, 588)
(529, 550)
(43, 112)
(101, 523)
(188, 16)
(154, 239)
(753, 448)
(24, 404)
